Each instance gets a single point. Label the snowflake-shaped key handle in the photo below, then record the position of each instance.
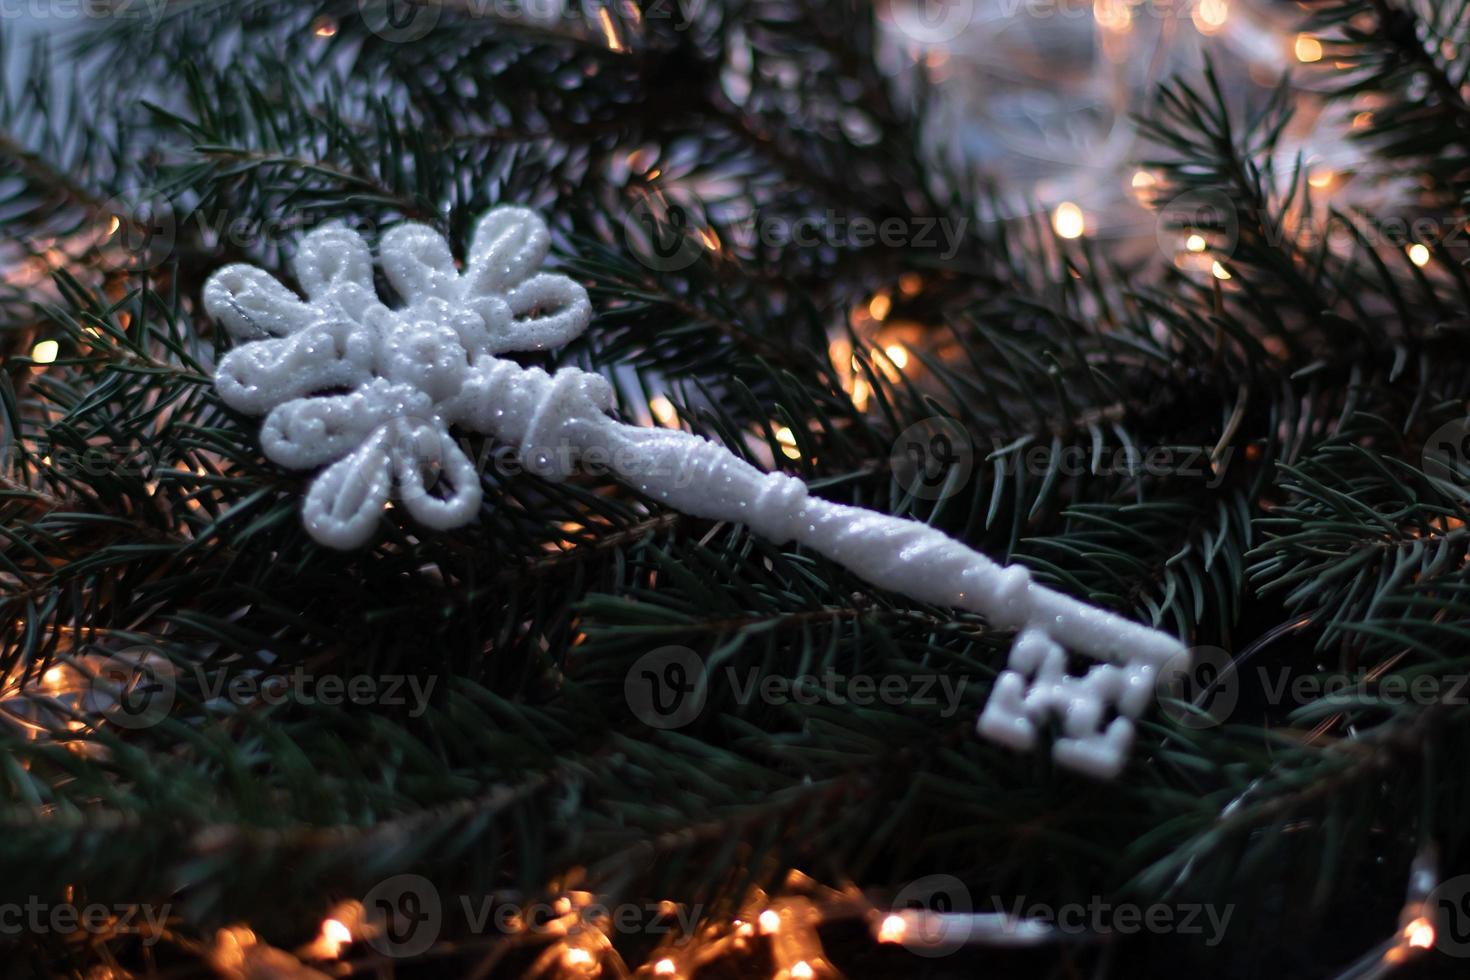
(372, 393)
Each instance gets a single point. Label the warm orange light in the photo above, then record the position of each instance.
(1210, 15)
(1195, 243)
(608, 30)
(664, 968)
(787, 439)
(1142, 180)
(1308, 49)
(1219, 271)
(1112, 15)
(802, 970)
(663, 410)
(1068, 220)
(850, 373)
(1419, 255)
(45, 351)
(1322, 178)
(576, 957)
(1420, 933)
(324, 27)
(641, 159)
(230, 944)
(334, 936)
(769, 921)
(892, 930)
(879, 306)
(897, 356)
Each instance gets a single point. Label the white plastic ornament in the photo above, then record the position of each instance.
(371, 393)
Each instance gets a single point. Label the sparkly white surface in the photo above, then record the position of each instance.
(372, 392)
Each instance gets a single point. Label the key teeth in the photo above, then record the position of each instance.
(1102, 755)
(1036, 686)
(1139, 683)
(1004, 718)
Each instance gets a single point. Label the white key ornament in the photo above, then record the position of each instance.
(371, 393)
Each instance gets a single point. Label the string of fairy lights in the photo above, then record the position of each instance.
(782, 931)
